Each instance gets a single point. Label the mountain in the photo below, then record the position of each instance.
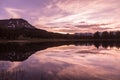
(17, 28)
(84, 34)
(13, 28)
(15, 23)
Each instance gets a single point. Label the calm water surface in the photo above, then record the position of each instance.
(65, 62)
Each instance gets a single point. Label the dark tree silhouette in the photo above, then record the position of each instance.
(96, 35)
(105, 35)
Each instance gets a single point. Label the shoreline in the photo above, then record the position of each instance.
(59, 40)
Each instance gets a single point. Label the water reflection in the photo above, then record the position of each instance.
(21, 51)
(57, 61)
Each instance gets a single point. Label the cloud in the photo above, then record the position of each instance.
(55, 15)
(92, 11)
(90, 25)
(13, 13)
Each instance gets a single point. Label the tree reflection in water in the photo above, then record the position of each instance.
(21, 51)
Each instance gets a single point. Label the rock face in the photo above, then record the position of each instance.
(15, 23)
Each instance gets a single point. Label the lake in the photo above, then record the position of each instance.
(60, 61)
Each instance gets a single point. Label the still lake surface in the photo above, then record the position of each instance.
(59, 61)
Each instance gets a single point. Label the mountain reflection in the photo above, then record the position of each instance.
(21, 51)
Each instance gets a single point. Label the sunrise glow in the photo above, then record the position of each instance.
(65, 16)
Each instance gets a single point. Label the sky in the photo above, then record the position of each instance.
(65, 16)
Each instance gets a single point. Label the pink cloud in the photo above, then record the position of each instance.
(55, 15)
(12, 12)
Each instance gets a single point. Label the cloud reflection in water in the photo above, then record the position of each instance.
(66, 63)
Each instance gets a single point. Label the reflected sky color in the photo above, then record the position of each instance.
(65, 16)
(66, 62)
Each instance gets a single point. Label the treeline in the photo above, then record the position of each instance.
(28, 33)
(107, 35)
(111, 35)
